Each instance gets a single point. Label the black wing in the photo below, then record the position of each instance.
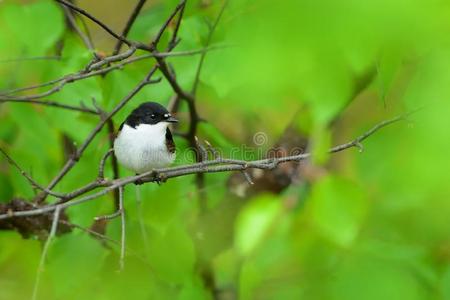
(169, 141)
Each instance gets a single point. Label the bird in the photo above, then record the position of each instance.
(144, 141)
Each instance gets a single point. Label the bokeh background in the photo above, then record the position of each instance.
(370, 225)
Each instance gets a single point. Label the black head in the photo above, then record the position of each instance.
(149, 113)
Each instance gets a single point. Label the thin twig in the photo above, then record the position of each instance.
(123, 230)
(114, 163)
(163, 28)
(84, 37)
(174, 40)
(110, 216)
(208, 41)
(213, 150)
(45, 251)
(202, 150)
(129, 24)
(112, 58)
(54, 104)
(101, 168)
(90, 231)
(83, 75)
(247, 176)
(357, 142)
(95, 20)
(141, 219)
(104, 238)
(33, 58)
(32, 182)
(106, 28)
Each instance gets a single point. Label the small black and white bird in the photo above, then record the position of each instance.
(144, 141)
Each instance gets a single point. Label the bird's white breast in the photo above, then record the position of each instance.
(143, 148)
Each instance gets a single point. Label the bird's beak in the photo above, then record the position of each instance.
(171, 120)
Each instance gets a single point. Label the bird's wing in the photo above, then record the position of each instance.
(169, 141)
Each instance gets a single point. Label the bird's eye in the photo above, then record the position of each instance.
(152, 116)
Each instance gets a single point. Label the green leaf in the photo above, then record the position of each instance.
(18, 261)
(61, 262)
(194, 290)
(41, 24)
(249, 279)
(172, 255)
(148, 23)
(254, 221)
(337, 208)
(162, 204)
(226, 267)
(445, 284)
(321, 145)
(375, 279)
(33, 129)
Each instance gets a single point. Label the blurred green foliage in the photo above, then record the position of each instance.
(373, 225)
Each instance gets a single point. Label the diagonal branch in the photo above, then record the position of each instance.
(83, 75)
(180, 7)
(207, 43)
(45, 251)
(95, 20)
(73, 23)
(32, 182)
(130, 22)
(106, 27)
(54, 104)
(31, 58)
(122, 230)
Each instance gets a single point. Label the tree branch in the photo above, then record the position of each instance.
(180, 7)
(83, 75)
(107, 29)
(32, 58)
(208, 41)
(211, 166)
(95, 20)
(73, 23)
(122, 230)
(129, 24)
(45, 251)
(54, 104)
(32, 182)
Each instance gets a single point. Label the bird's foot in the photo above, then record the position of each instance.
(159, 178)
(138, 181)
